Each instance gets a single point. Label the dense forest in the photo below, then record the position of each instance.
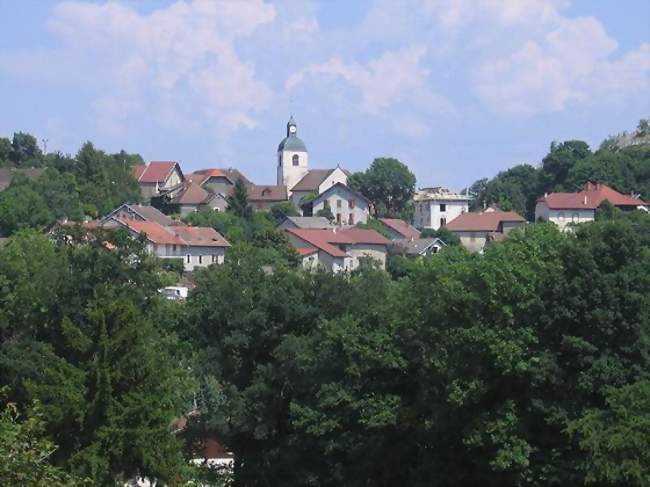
(526, 365)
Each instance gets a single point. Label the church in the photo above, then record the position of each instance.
(294, 173)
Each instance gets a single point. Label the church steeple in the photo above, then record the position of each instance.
(292, 128)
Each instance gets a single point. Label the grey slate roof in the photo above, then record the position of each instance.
(310, 221)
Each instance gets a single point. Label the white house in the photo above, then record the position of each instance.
(435, 207)
(196, 246)
(347, 206)
(477, 229)
(568, 209)
(338, 250)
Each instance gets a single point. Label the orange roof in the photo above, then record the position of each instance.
(327, 240)
(401, 227)
(267, 193)
(589, 198)
(485, 221)
(303, 251)
(154, 232)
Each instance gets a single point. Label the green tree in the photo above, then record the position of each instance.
(280, 211)
(25, 151)
(389, 185)
(5, 151)
(326, 212)
(617, 437)
(26, 452)
(447, 236)
(78, 337)
(238, 201)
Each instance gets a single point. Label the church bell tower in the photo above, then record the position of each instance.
(293, 159)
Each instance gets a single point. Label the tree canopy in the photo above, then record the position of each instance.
(389, 185)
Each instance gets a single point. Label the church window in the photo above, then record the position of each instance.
(295, 159)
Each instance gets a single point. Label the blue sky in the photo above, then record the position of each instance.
(456, 89)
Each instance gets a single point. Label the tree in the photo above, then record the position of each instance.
(78, 337)
(389, 185)
(5, 151)
(26, 452)
(559, 161)
(447, 236)
(22, 205)
(617, 437)
(25, 151)
(238, 201)
(326, 212)
(280, 211)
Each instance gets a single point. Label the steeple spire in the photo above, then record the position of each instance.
(292, 128)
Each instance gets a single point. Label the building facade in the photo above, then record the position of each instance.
(435, 207)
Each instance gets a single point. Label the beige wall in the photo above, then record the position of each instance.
(377, 252)
(472, 241)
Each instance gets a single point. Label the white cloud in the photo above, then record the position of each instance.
(390, 79)
(180, 59)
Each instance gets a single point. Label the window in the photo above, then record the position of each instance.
(575, 218)
(188, 257)
(561, 216)
(214, 258)
(339, 203)
(279, 160)
(338, 218)
(351, 204)
(200, 259)
(326, 204)
(351, 219)
(443, 222)
(295, 159)
(472, 237)
(443, 207)
(174, 247)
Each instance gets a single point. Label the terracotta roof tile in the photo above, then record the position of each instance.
(158, 171)
(191, 194)
(155, 232)
(201, 236)
(486, 221)
(401, 227)
(137, 170)
(267, 193)
(589, 198)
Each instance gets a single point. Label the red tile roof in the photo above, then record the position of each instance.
(486, 221)
(201, 236)
(230, 173)
(267, 193)
(176, 235)
(304, 252)
(401, 227)
(154, 232)
(327, 240)
(137, 170)
(589, 198)
(158, 171)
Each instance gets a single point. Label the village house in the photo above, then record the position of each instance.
(568, 209)
(436, 207)
(338, 250)
(158, 177)
(347, 206)
(399, 229)
(263, 197)
(196, 246)
(478, 229)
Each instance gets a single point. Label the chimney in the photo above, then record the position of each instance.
(585, 200)
(545, 195)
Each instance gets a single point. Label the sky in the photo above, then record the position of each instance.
(456, 89)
